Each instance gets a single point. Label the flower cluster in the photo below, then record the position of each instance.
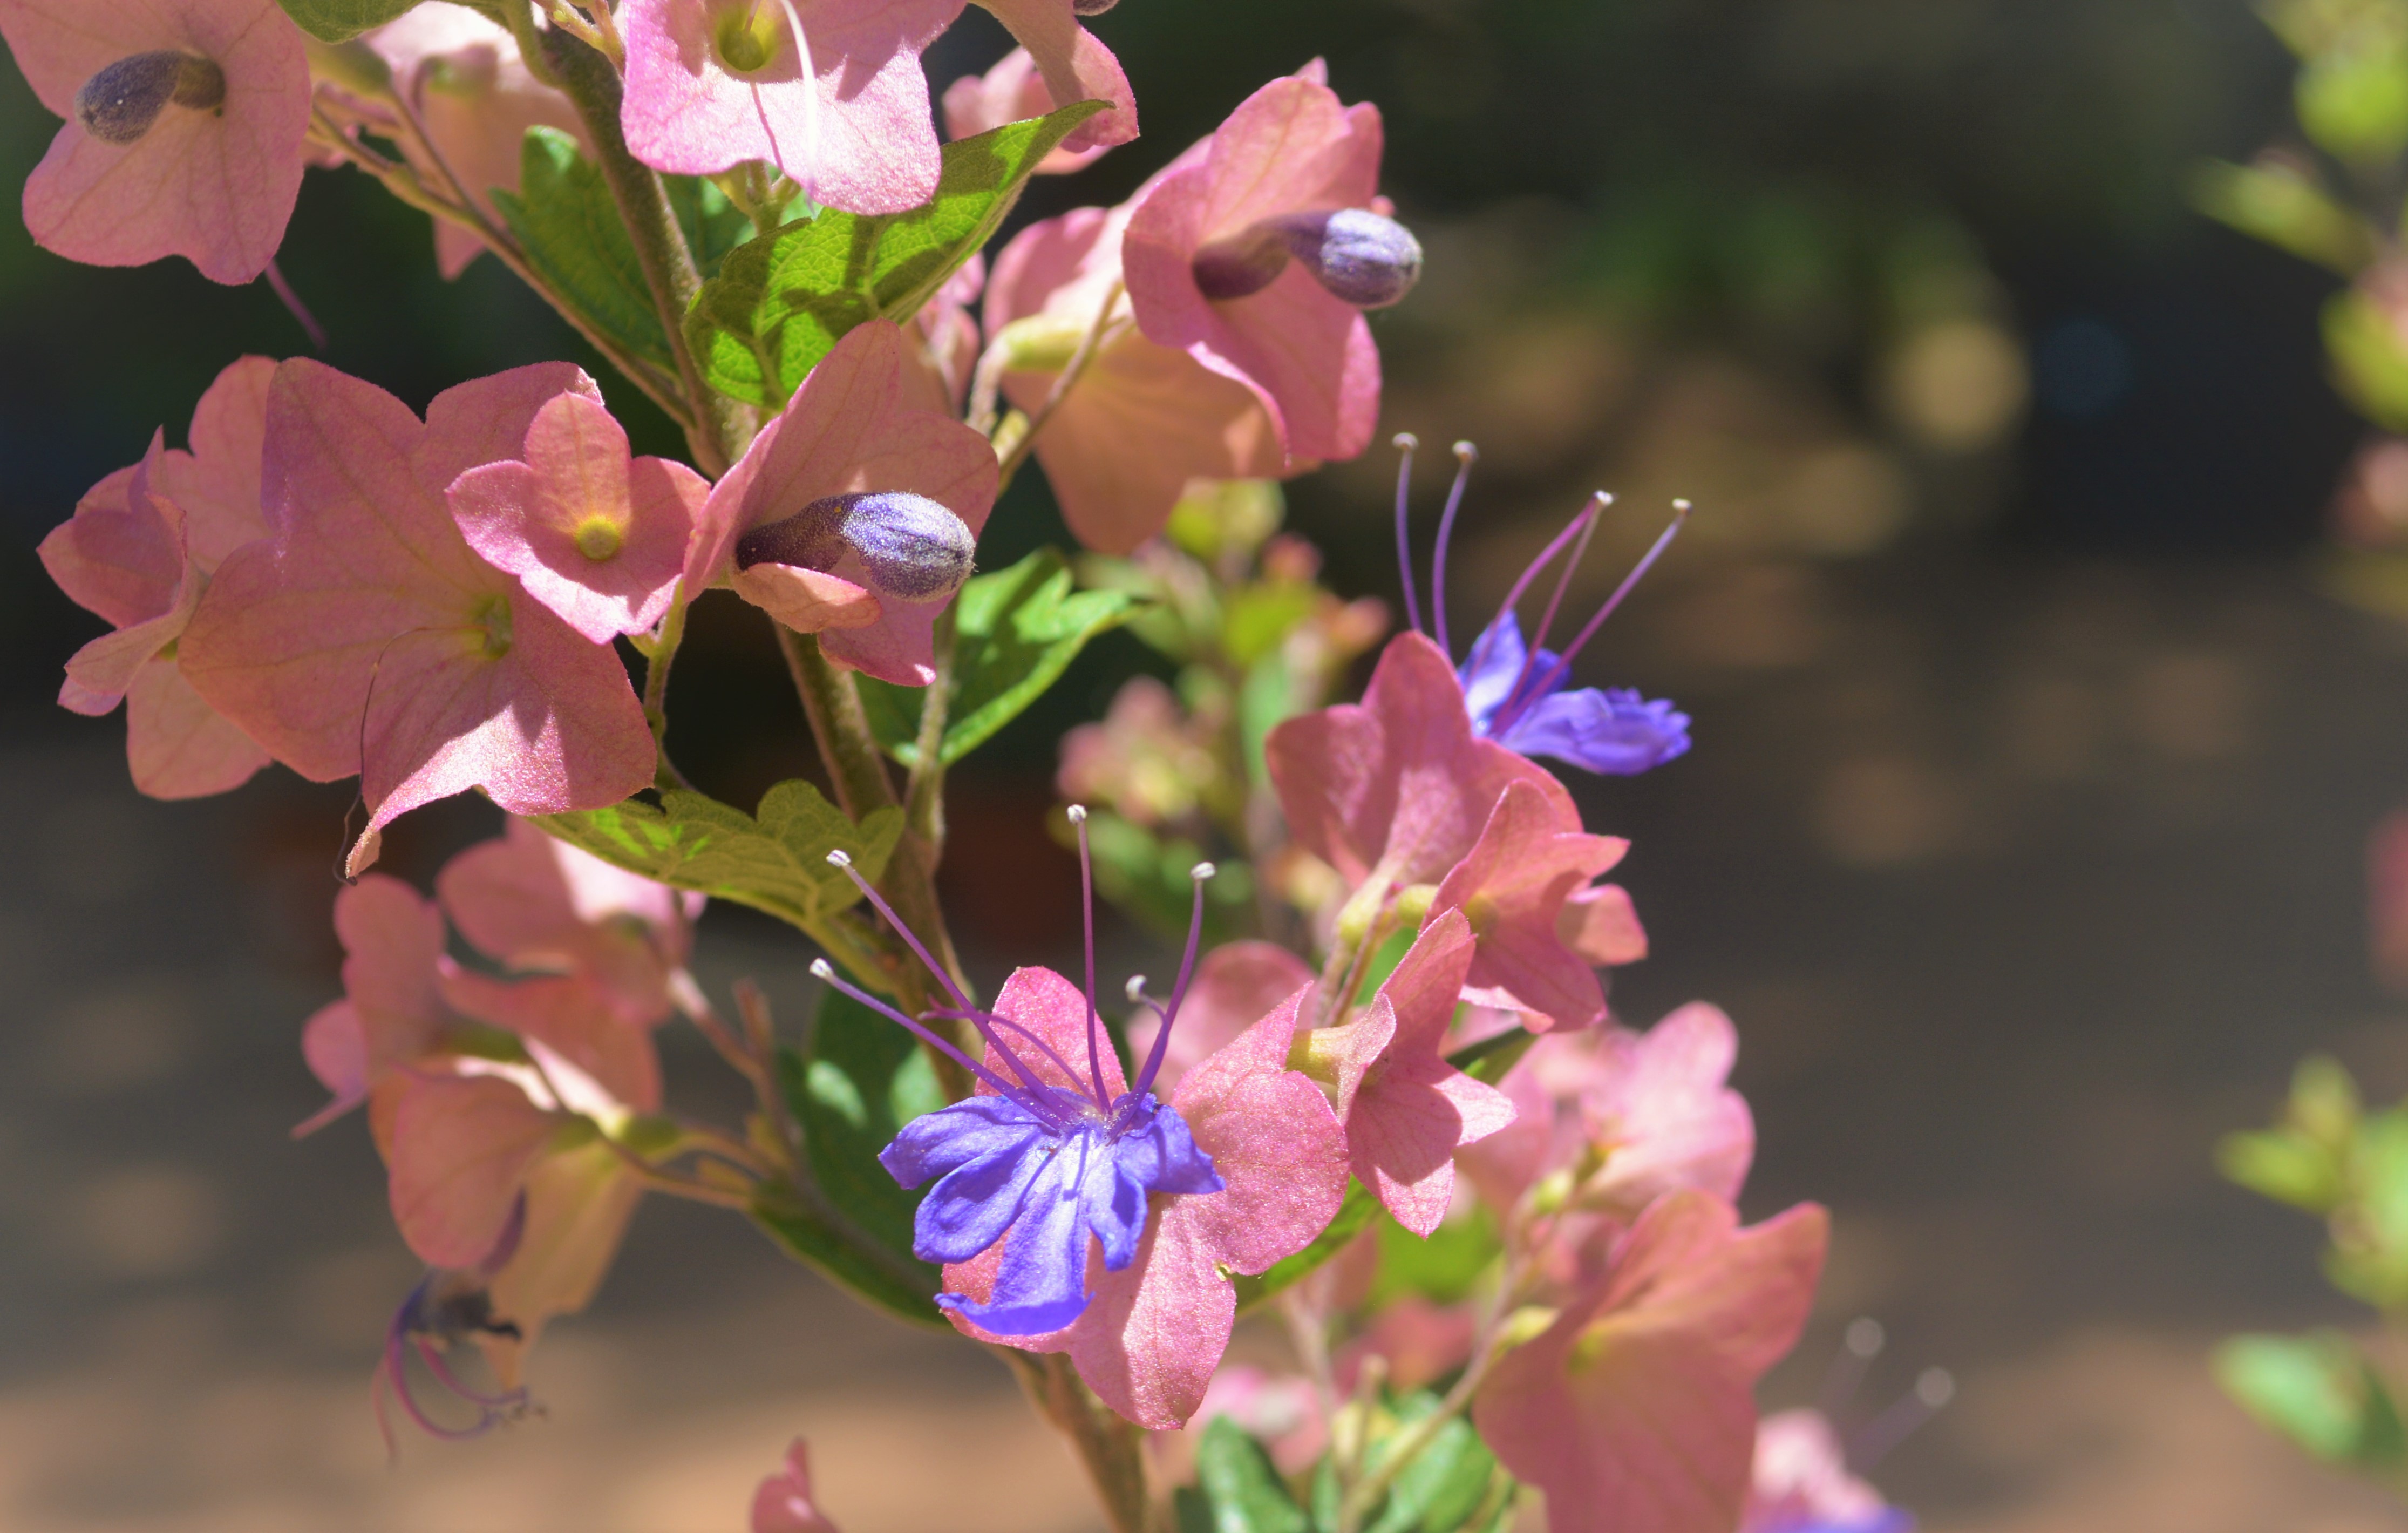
(1388, 1049)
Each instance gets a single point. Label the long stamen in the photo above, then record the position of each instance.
(1563, 665)
(1153, 1056)
(1087, 914)
(1465, 456)
(825, 973)
(1594, 513)
(842, 861)
(1405, 442)
(1934, 1389)
(1859, 1345)
(1581, 519)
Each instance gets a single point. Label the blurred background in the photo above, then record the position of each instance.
(2023, 837)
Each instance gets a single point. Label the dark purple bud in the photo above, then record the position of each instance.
(898, 544)
(122, 102)
(1359, 256)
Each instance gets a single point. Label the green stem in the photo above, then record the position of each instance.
(657, 660)
(924, 792)
(719, 433)
(1108, 1448)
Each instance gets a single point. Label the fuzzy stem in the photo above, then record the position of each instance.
(1109, 1449)
(720, 431)
(657, 660)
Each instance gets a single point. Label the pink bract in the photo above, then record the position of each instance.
(1289, 148)
(540, 905)
(393, 1010)
(784, 1504)
(363, 635)
(595, 535)
(1074, 65)
(1396, 788)
(850, 427)
(214, 186)
(1013, 91)
(1601, 924)
(463, 77)
(1406, 1110)
(136, 552)
(1236, 985)
(1153, 1334)
(1634, 1410)
(1513, 885)
(1144, 419)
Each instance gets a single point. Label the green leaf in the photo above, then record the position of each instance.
(2371, 367)
(564, 219)
(775, 862)
(852, 1089)
(1241, 1484)
(339, 21)
(2283, 1166)
(1488, 1060)
(1443, 1269)
(1352, 1215)
(1015, 631)
(2354, 101)
(2317, 1391)
(1446, 1481)
(780, 304)
(2278, 205)
(712, 225)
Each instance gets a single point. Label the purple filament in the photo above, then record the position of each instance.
(1586, 518)
(1405, 443)
(1556, 673)
(1087, 917)
(1465, 456)
(1155, 1055)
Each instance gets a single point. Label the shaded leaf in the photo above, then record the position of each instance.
(780, 304)
(712, 225)
(339, 21)
(1016, 631)
(1241, 1486)
(852, 1087)
(2317, 1391)
(564, 217)
(775, 861)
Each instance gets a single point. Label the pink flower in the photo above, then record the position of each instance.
(1258, 257)
(1514, 886)
(1397, 790)
(1144, 418)
(140, 547)
(1801, 1483)
(184, 126)
(462, 75)
(597, 536)
(1407, 1110)
(1013, 91)
(1653, 1107)
(1601, 924)
(542, 906)
(393, 1010)
(363, 635)
(1152, 1332)
(1634, 1410)
(1074, 67)
(1236, 985)
(784, 1503)
(853, 513)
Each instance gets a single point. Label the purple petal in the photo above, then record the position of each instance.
(1614, 730)
(1041, 1283)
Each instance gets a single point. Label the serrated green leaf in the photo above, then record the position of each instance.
(1241, 1486)
(565, 221)
(2283, 208)
(2319, 1392)
(857, 1081)
(780, 304)
(339, 21)
(1015, 632)
(775, 860)
(1353, 1214)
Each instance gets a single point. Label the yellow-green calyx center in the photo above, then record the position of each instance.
(598, 538)
(493, 616)
(746, 38)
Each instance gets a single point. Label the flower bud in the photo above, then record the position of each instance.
(122, 102)
(1359, 256)
(896, 543)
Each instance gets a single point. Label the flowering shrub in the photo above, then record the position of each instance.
(1385, 1099)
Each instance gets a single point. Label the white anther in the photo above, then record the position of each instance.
(1135, 989)
(1865, 1337)
(1467, 452)
(1935, 1388)
(840, 858)
(1604, 497)
(823, 969)
(1683, 506)
(1202, 871)
(1077, 813)
(1404, 442)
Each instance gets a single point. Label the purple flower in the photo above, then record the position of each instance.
(1515, 693)
(1053, 1156)
(447, 1307)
